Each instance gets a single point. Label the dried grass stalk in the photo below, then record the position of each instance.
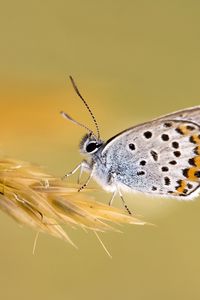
(42, 201)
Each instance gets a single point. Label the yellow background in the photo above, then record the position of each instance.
(133, 61)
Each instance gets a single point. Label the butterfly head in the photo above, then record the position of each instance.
(90, 144)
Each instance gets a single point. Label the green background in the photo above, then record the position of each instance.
(133, 61)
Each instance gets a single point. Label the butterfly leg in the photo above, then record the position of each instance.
(117, 190)
(123, 201)
(81, 166)
(80, 174)
(112, 198)
(87, 181)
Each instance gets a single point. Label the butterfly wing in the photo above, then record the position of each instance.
(159, 157)
(190, 114)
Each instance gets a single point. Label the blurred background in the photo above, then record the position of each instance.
(133, 61)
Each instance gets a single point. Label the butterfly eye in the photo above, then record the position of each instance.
(91, 147)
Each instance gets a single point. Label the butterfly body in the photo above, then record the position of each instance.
(160, 157)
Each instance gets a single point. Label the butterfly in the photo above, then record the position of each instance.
(160, 157)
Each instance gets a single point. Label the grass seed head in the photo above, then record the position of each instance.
(43, 202)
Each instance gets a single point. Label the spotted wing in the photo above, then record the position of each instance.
(159, 157)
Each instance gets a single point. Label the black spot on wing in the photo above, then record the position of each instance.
(192, 140)
(170, 192)
(165, 169)
(139, 173)
(191, 161)
(197, 174)
(172, 162)
(190, 186)
(175, 145)
(179, 131)
(177, 153)
(167, 124)
(147, 134)
(167, 180)
(154, 154)
(131, 146)
(165, 137)
(185, 172)
(189, 127)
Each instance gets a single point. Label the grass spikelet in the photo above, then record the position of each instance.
(44, 202)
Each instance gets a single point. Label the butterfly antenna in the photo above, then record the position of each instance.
(66, 116)
(86, 105)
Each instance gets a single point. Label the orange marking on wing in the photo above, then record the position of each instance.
(197, 161)
(184, 130)
(182, 186)
(196, 138)
(197, 150)
(192, 174)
